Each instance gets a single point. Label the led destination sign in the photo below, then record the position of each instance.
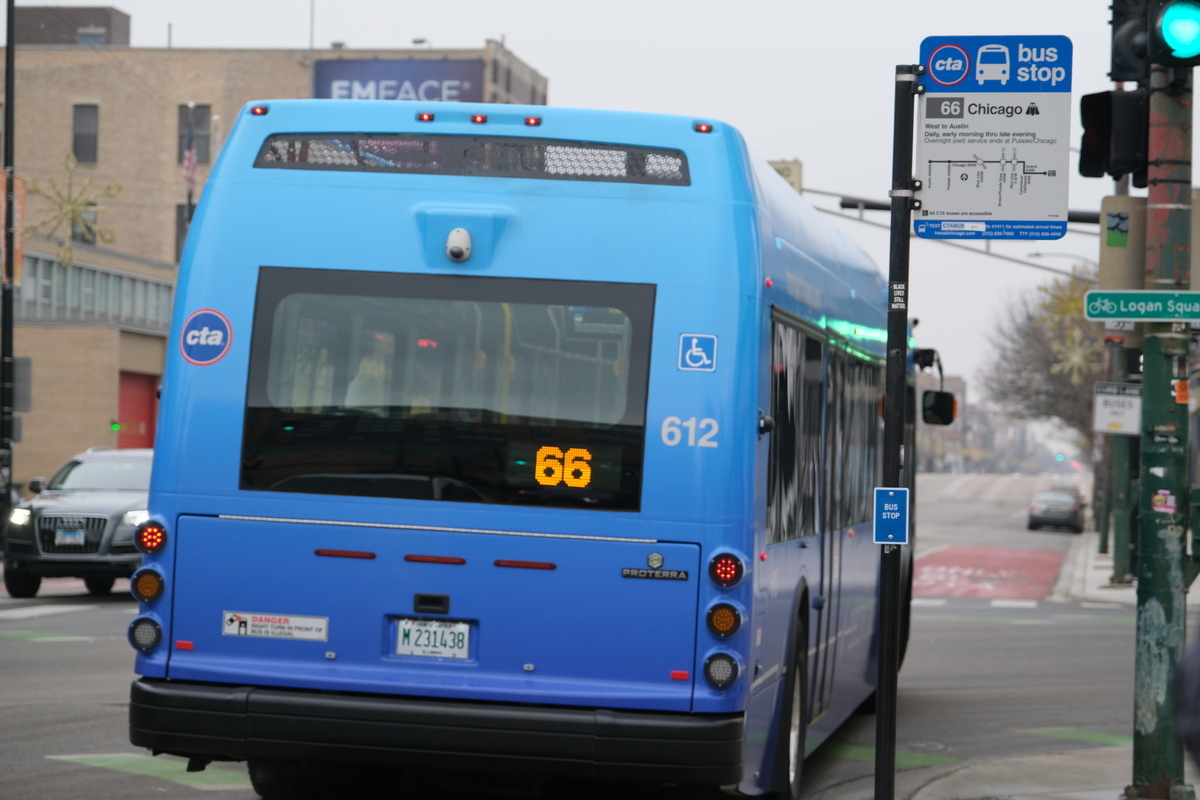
(1142, 306)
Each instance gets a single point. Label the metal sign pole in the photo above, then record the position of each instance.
(895, 389)
(6, 285)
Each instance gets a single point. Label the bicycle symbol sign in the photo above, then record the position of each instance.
(698, 352)
(1101, 305)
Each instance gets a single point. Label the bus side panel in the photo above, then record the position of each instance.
(546, 629)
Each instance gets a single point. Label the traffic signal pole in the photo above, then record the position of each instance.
(1163, 573)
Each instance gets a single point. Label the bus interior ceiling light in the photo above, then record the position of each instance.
(150, 537)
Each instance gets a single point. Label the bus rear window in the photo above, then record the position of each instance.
(486, 156)
(470, 389)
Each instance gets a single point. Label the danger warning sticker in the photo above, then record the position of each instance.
(275, 626)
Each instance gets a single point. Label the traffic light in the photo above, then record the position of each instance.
(1116, 132)
(1174, 32)
(1129, 23)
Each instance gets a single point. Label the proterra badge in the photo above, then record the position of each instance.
(206, 337)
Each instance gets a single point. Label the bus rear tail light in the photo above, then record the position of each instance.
(147, 585)
(145, 634)
(721, 670)
(723, 620)
(725, 570)
(150, 537)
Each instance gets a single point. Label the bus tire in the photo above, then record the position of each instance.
(20, 583)
(793, 722)
(277, 780)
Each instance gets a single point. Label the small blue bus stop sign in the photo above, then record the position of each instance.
(891, 516)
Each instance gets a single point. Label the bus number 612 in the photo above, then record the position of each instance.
(672, 431)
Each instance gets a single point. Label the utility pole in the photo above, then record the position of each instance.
(1163, 572)
(6, 285)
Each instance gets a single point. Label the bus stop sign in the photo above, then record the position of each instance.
(891, 516)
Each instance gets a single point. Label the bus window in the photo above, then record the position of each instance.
(506, 391)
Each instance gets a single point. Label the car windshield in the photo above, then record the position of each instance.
(1054, 498)
(104, 475)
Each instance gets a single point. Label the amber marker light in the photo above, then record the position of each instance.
(723, 620)
(725, 570)
(147, 585)
(150, 537)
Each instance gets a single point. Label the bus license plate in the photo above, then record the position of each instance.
(435, 638)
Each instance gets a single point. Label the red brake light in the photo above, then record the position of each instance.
(259, 111)
(533, 121)
(525, 564)
(479, 119)
(150, 537)
(725, 570)
(434, 559)
(424, 116)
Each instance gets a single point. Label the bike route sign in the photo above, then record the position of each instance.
(993, 132)
(1142, 306)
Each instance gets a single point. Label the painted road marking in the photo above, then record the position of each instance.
(928, 602)
(905, 759)
(987, 572)
(1087, 604)
(1088, 737)
(29, 612)
(211, 779)
(35, 636)
(1014, 604)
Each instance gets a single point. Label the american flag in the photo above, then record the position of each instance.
(189, 162)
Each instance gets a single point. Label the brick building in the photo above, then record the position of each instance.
(96, 330)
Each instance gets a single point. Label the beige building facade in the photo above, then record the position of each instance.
(90, 117)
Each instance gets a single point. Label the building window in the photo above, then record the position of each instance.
(91, 36)
(198, 118)
(87, 132)
(85, 233)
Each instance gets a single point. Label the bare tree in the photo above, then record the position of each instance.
(1047, 358)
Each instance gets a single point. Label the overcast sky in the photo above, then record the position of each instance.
(801, 79)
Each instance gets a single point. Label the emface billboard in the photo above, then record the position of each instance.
(427, 80)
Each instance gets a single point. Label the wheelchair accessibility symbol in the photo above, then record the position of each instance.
(698, 352)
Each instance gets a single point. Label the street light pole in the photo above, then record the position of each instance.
(6, 285)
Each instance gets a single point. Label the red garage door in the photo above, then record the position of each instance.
(137, 408)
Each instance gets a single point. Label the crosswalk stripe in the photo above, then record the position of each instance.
(29, 612)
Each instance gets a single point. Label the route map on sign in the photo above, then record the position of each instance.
(992, 137)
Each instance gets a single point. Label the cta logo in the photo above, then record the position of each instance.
(948, 65)
(205, 338)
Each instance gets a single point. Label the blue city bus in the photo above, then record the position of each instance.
(510, 440)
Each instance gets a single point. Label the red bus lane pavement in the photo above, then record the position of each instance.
(987, 572)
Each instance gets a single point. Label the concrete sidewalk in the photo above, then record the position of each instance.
(1098, 773)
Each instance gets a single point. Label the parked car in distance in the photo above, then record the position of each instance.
(1058, 509)
(80, 524)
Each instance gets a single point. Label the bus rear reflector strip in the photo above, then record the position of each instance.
(182, 645)
(435, 559)
(345, 553)
(525, 564)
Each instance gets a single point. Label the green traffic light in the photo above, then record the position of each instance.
(116, 426)
(1180, 27)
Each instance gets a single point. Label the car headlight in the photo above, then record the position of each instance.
(20, 516)
(135, 518)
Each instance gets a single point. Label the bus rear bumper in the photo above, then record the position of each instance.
(241, 722)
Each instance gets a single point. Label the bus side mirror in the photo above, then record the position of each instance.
(938, 408)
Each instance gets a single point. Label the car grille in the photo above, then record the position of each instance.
(92, 527)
